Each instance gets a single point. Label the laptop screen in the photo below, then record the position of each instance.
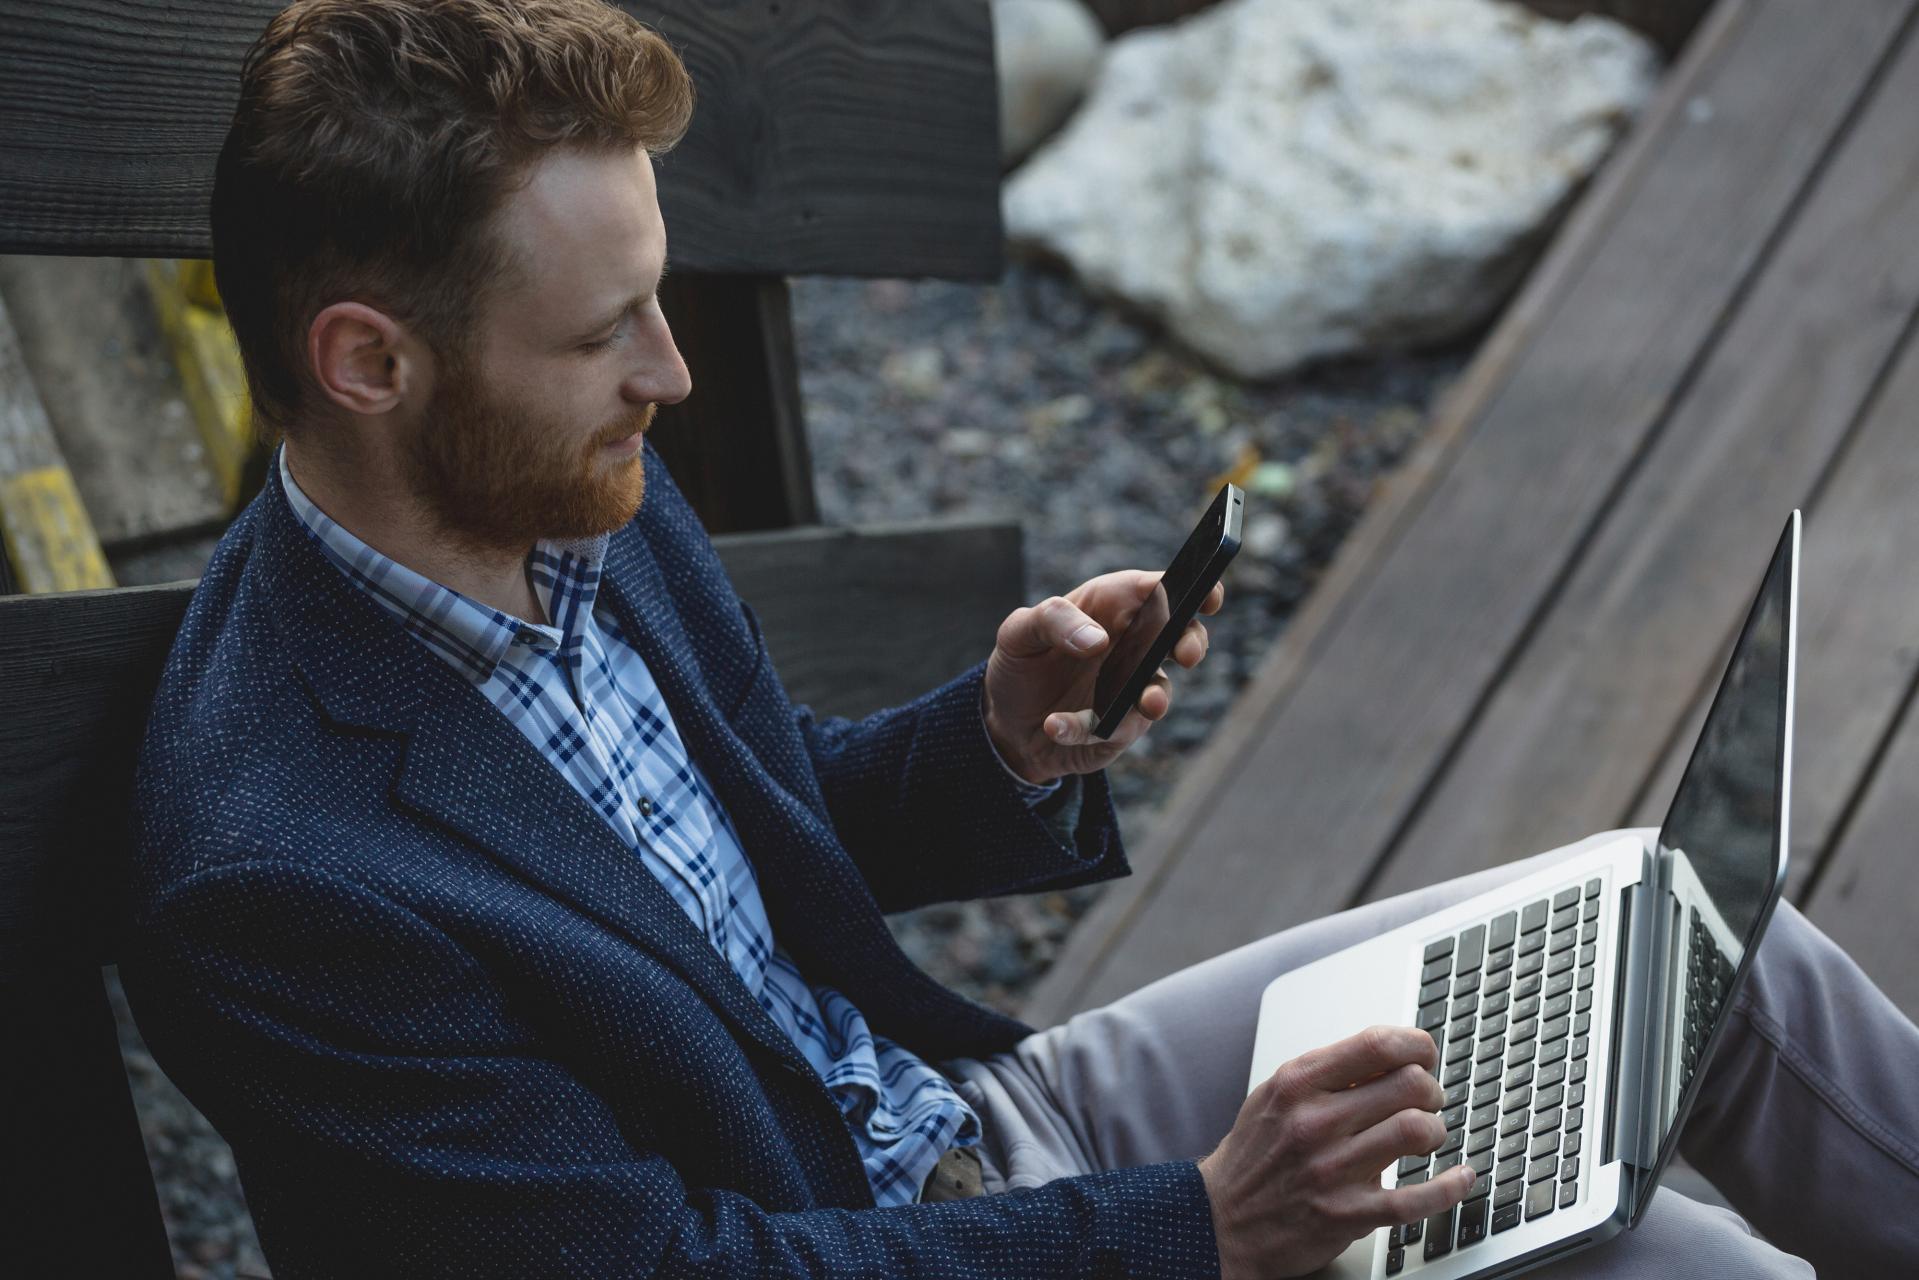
(1727, 824)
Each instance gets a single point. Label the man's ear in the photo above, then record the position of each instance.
(364, 361)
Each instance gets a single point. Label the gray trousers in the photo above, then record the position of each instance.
(1808, 1120)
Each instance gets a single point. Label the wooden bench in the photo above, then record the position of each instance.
(1514, 647)
(828, 140)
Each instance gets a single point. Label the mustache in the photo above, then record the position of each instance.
(621, 428)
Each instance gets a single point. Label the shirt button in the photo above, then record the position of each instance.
(525, 637)
(646, 806)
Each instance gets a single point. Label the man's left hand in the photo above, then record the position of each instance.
(1039, 681)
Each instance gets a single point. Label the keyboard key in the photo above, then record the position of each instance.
(1435, 970)
(1592, 909)
(1439, 1234)
(1456, 1094)
(1414, 1230)
(1472, 946)
(1482, 1163)
(1432, 1015)
(1496, 982)
(1513, 1144)
(1577, 1073)
(1542, 1169)
(1492, 1026)
(1551, 1053)
(1575, 1118)
(1524, 1031)
(1579, 1047)
(1454, 1117)
(1481, 1143)
(1576, 1096)
(1435, 991)
(1531, 942)
(1563, 919)
(1561, 941)
(1592, 887)
(1586, 955)
(1558, 1006)
(1503, 931)
(1510, 1169)
(1582, 1023)
(1445, 1162)
(1472, 1222)
(1544, 1121)
(1515, 1122)
(1505, 1218)
(1560, 983)
(1470, 982)
(1570, 1147)
(1539, 1201)
(1533, 916)
(1527, 986)
(1527, 964)
(1483, 1119)
(1568, 1192)
(1561, 963)
(1461, 1027)
(1486, 1072)
(1486, 1094)
(1456, 1074)
(1521, 1074)
(1410, 1165)
(1528, 1008)
(1501, 959)
(1553, 1030)
(1589, 931)
(1550, 1076)
(1444, 947)
(1490, 1048)
(1545, 1144)
(1569, 1169)
(1457, 1049)
(1455, 1136)
(1523, 1052)
(1518, 1098)
(1565, 898)
(1495, 1001)
(1395, 1260)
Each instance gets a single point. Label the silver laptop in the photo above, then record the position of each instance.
(1575, 1010)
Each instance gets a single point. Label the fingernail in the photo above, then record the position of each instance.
(1472, 1176)
(1087, 636)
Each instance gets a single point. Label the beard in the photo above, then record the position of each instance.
(497, 477)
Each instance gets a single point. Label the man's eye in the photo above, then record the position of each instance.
(600, 344)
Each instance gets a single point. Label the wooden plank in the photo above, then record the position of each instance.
(1333, 765)
(45, 535)
(90, 340)
(863, 618)
(79, 1194)
(1858, 616)
(1647, 610)
(911, 606)
(737, 444)
(1865, 897)
(832, 139)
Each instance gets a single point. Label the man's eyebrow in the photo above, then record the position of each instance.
(594, 329)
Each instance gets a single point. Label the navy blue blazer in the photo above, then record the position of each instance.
(450, 1024)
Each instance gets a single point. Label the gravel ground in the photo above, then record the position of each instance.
(1026, 400)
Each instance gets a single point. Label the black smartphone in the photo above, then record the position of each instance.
(1156, 628)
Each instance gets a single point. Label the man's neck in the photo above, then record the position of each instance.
(382, 514)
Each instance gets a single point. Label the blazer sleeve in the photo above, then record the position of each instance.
(343, 1045)
(925, 808)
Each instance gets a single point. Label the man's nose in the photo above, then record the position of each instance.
(665, 379)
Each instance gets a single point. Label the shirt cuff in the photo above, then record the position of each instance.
(1031, 792)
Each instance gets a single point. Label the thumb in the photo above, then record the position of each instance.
(1053, 623)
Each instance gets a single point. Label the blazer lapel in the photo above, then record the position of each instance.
(468, 769)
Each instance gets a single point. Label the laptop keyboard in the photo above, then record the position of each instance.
(1509, 1005)
(1708, 975)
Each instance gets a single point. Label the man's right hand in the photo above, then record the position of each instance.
(1297, 1179)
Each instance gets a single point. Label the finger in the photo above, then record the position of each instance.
(1358, 1058)
(1053, 623)
(1407, 1088)
(1214, 598)
(1071, 728)
(1154, 701)
(1421, 1200)
(1192, 646)
(1404, 1133)
(1117, 595)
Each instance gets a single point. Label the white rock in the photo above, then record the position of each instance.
(1048, 52)
(1282, 180)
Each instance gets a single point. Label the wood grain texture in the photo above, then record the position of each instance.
(1651, 604)
(1341, 755)
(1858, 630)
(855, 619)
(830, 137)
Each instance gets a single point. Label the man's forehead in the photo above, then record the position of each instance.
(583, 230)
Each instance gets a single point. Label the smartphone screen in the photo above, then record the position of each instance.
(1192, 574)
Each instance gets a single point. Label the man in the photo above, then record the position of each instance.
(496, 904)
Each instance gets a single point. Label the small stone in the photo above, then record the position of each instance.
(916, 372)
(1265, 534)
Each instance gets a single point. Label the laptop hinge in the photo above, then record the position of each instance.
(1639, 1011)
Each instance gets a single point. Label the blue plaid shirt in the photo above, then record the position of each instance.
(582, 694)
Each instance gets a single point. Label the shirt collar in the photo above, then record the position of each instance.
(563, 572)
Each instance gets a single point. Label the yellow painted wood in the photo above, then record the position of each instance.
(211, 374)
(47, 535)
